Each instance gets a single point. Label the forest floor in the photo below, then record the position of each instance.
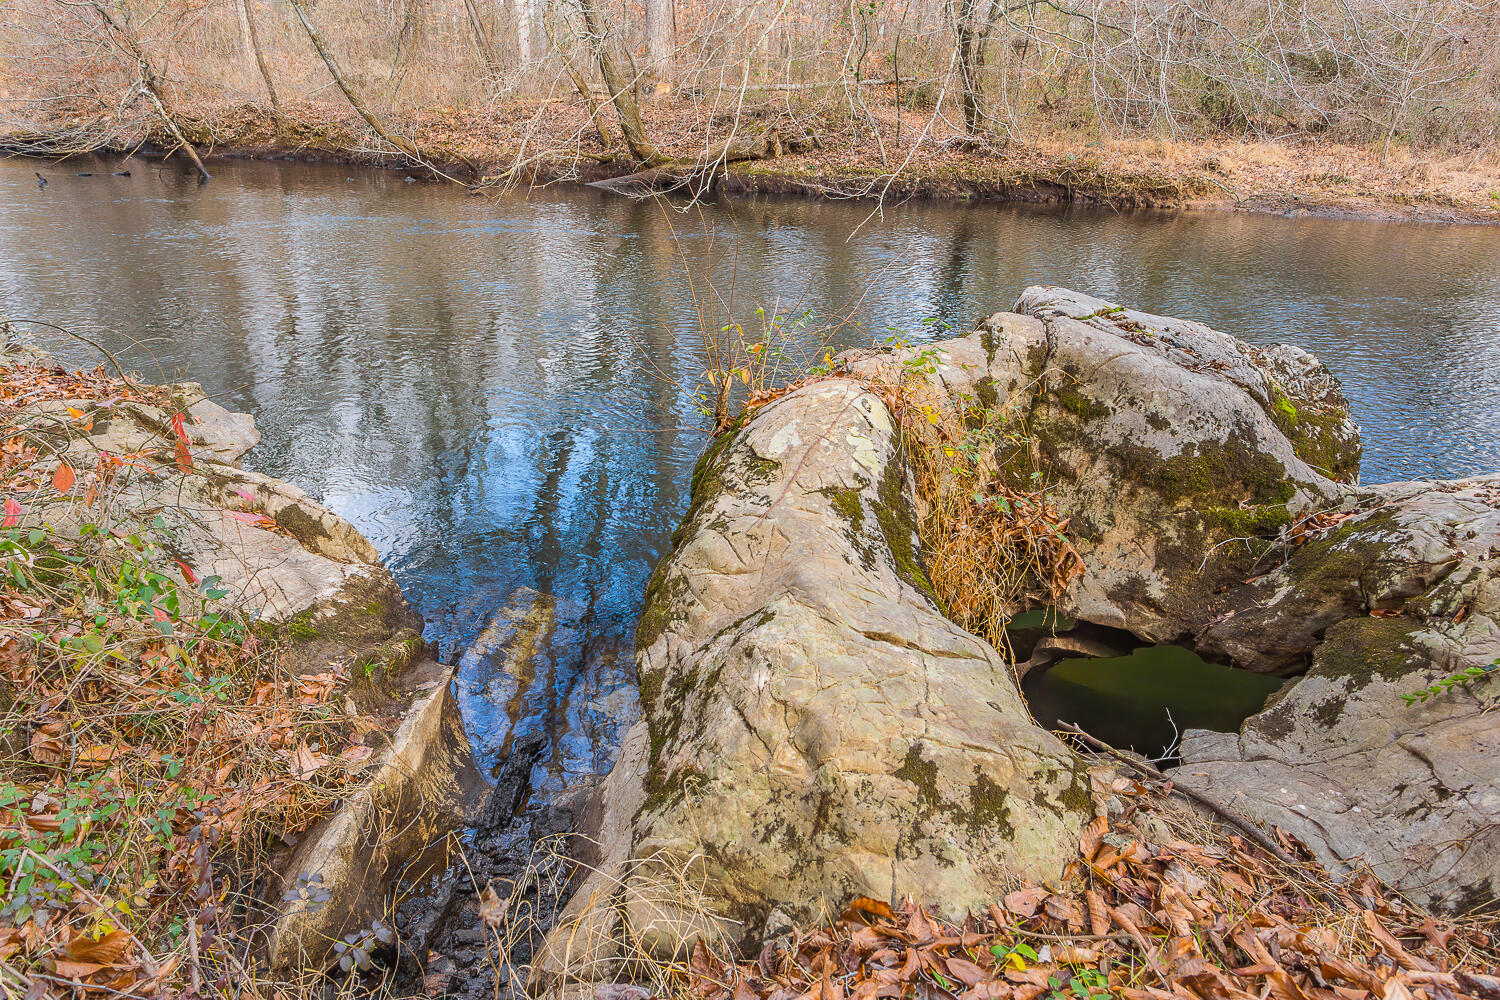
(893, 153)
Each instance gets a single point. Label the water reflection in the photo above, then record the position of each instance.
(492, 390)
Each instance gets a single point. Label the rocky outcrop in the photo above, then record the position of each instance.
(1212, 494)
(297, 568)
(1402, 592)
(815, 729)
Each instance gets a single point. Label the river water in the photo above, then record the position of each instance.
(496, 390)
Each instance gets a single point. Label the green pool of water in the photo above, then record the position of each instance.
(1133, 701)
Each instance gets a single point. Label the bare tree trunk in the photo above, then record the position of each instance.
(409, 38)
(359, 106)
(659, 46)
(621, 86)
(486, 47)
(247, 15)
(596, 112)
(973, 24)
(523, 32)
(245, 47)
(123, 35)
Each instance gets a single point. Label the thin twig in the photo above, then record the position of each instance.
(1238, 822)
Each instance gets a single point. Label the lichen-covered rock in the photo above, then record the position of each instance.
(297, 568)
(1402, 593)
(422, 787)
(816, 728)
(1296, 390)
(1183, 459)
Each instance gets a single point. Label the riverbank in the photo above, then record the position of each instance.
(213, 700)
(821, 154)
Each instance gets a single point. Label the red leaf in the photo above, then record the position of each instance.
(187, 571)
(62, 479)
(12, 513)
(180, 447)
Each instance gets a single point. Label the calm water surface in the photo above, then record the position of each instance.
(493, 389)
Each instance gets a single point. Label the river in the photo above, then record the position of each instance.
(496, 390)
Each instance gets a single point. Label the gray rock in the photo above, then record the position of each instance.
(1203, 481)
(815, 728)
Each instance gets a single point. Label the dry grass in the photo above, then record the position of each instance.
(154, 748)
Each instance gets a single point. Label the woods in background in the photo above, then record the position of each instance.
(1425, 73)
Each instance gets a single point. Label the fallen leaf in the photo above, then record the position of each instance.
(492, 908)
(864, 906)
(62, 479)
(1091, 837)
(66, 969)
(105, 951)
(101, 754)
(1023, 902)
(307, 762)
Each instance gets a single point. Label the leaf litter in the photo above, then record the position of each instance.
(1214, 917)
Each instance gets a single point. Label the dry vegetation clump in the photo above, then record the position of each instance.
(995, 542)
(153, 748)
(1141, 914)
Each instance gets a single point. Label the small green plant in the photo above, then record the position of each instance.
(1015, 956)
(1462, 678)
(1079, 984)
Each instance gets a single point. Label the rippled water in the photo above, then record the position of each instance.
(491, 389)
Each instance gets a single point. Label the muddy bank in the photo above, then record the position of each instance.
(541, 145)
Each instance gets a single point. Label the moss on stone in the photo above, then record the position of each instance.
(378, 669)
(1253, 522)
(923, 774)
(302, 526)
(988, 809)
(1316, 435)
(1359, 650)
(847, 503)
(1215, 472)
(898, 525)
(1081, 406)
(660, 610)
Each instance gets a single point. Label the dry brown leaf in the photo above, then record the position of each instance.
(102, 753)
(68, 969)
(306, 762)
(966, 971)
(1092, 836)
(107, 950)
(1023, 902)
(1098, 912)
(492, 908)
(869, 907)
(1392, 947)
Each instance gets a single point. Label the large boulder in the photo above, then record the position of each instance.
(1211, 490)
(815, 729)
